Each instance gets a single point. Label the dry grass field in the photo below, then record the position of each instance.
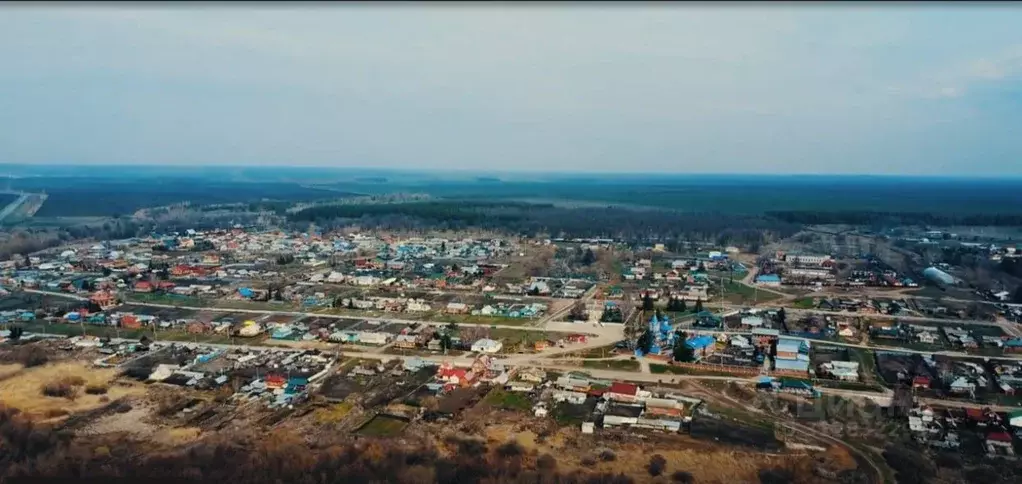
(23, 390)
(7, 370)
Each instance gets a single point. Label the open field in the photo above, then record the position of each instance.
(479, 319)
(506, 400)
(7, 370)
(382, 426)
(23, 390)
(736, 293)
(678, 370)
(620, 365)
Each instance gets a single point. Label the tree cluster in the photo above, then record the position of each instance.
(37, 453)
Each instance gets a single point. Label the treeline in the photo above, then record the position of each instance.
(32, 453)
(530, 219)
(860, 217)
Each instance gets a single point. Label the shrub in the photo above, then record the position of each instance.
(657, 465)
(683, 477)
(546, 462)
(776, 476)
(949, 460)
(608, 455)
(65, 387)
(510, 449)
(56, 412)
(96, 389)
(588, 462)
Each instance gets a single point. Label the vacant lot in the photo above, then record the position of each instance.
(382, 426)
(506, 400)
(23, 390)
(737, 293)
(621, 365)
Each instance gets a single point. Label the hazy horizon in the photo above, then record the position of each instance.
(680, 89)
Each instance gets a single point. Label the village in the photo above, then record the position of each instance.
(383, 335)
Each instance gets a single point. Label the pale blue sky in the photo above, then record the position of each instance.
(860, 88)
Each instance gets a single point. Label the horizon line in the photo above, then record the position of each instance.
(559, 172)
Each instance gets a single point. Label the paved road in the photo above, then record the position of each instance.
(11, 207)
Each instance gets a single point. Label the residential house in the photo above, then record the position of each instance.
(532, 375)
(622, 392)
(486, 345)
(457, 308)
(962, 385)
(405, 341)
(999, 443)
(577, 398)
(374, 337)
(621, 414)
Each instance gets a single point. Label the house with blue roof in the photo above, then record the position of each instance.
(768, 280)
(792, 355)
(701, 345)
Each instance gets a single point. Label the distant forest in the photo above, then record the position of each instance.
(898, 218)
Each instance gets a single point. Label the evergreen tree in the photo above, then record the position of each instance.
(16, 332)
(682, 352)
(645, 342)
(589, 257)
(682, 307)
(647, 302)
(782, 317)
(351, 303)
(699, 305)
(1018, 295)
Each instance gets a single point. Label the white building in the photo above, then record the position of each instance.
(487, 346)
(570, 397)
(807, 259)
(417, 306)
(373, 337)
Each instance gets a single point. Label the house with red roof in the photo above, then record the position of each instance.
(454, 377)
(622, 392)
(274, 381)
(921, 382)
(999, 443)
(143, 286)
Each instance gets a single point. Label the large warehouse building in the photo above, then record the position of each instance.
(938, 276)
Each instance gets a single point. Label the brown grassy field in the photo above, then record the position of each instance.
(23, 389)
(705, 461)
(9, 369)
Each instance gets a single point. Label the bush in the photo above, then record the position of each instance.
(683, 477)
(608, 455)
(65, 387)
(949, 460)
(30, 355)
(56, 412)
(510, 449)
(776, 476)
(657, 465)
(123, 407)
(546, 462)
(96, 389)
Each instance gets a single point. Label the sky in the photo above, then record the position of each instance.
(920, 89)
